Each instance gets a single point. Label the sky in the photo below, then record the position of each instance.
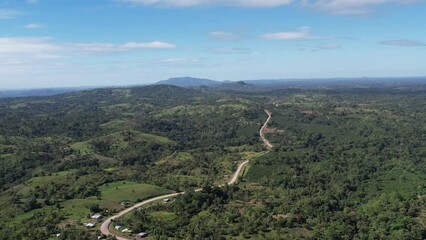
(64, 43)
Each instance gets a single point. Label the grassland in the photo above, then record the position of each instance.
(111, 197)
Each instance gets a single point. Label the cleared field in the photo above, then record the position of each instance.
(112, 195)
(130, 191)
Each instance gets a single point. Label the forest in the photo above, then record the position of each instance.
(349, 162)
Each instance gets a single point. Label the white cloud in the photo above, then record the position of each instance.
(192, 3)
(349, 7)
(236, 50)
(180, 62)
(27, 45)
(34, 26)
(23, 57)
(338, 7)
(9, 13)
(150, 45)
(93, 47)
(329, 46)
(31, 45)
(223, 35)
(404, 43)
(303, 33)
(109, 47)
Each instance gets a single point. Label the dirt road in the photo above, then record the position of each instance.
(262, 131)
(105, 225)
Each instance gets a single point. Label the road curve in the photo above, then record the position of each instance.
(105, 225)
(262, 131)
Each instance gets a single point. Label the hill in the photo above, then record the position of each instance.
(348, 162)
(189, 82)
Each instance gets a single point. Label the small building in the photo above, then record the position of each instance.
(96, 216)
(166, 200)
(89, 225)
(118, 227)
(141, 235)
(126, 230)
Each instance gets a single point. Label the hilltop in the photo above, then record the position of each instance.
(189, 82)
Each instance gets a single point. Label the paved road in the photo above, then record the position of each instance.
(105, 225)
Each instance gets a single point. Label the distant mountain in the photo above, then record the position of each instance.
(239, 86)
(189, 82)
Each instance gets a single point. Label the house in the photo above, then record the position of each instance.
(141, 235)
(96, 216)
(89, 225)
(166, 200)
(126, 230)
(118, 227)
(125, 203)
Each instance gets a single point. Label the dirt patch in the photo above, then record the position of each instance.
(281, 216)
(67, 224)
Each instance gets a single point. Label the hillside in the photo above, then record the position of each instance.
(347, 162)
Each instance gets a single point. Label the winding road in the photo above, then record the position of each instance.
(105, 225)
(262, 131)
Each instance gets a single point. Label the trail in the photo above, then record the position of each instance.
(105, 225)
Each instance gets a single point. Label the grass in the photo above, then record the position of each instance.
(130, 191)
(234, 107)
(186, 110)
(84, 148)
(119, 138)
(119, 141)
(164, 216)
(43, 181)
(116, 125)
(176, 159)
(112, 195)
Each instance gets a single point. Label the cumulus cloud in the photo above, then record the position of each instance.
(303, 33)
(404, 43)
(9, 13)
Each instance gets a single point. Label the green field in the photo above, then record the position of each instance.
(111, 197)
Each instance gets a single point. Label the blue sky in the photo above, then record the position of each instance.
(55, 43)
